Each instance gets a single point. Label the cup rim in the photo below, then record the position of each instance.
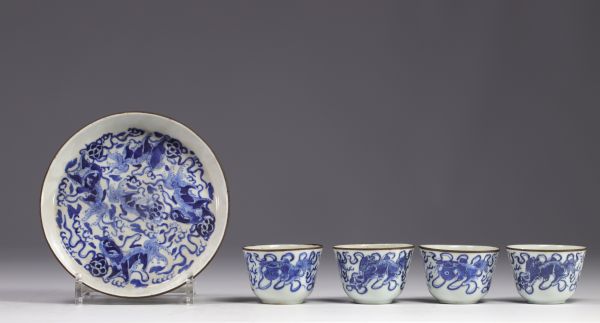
(374, 246)
(462, 248)
(283, 247)
(545, 247)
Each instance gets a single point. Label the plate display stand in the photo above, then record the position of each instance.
(84, 294)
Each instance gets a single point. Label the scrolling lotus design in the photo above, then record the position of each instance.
(553, 271)
(134, 208)
(270, 271)
(374, 271)
(456, 272)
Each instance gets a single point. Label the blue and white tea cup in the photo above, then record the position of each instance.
(546, 274)
(282, 273)
(373, 273)
(458, 274)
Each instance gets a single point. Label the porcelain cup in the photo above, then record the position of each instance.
(458, 274)
(373, 273)
(282, 273)
(546, 274)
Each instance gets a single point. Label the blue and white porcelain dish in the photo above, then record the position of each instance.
(134, 204)
(459, 274)
(282, 273)
(373, 273)
(546, 274)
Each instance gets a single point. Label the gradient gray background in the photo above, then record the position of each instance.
(334, 121)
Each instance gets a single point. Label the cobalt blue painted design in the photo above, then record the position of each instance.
(133, 208)
(375, 270)
(554, 271)
(472, 272)
(288, 271)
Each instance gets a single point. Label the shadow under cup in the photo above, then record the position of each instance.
(546, 274)
(282, 273)
(373, 273)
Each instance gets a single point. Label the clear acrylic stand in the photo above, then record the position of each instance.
(84, 294)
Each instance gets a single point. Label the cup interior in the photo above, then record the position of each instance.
(458, 248)
(282, 247)
(373, 246)
(545, 247)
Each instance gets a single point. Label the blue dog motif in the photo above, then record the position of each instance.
(137, 204)
(374, 270)
(462, 272)
(121, 263)
(269, 271)
(549, 272)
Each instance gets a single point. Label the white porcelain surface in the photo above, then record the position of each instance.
(282, 273)
(546, 274)
(373, 273)
(458, 274)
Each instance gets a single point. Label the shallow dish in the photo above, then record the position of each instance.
(546, 274)
(282, 273)
(134, 204)
(373, 273)
(459, 274)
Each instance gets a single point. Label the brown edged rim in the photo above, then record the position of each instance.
(462, 248)
(545, 247)
(226, 194)
(283, 247)
(374, 246)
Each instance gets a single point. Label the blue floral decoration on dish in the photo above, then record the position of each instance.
(554, 271)
(375, 270)
(133, 208)
(288, 271)
(473, 272)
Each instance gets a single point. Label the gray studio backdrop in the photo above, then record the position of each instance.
(334, 121)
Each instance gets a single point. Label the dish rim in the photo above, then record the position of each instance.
(374, 246)
(459, 248)
(282, 247)
(531, 247)
(226, 203)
